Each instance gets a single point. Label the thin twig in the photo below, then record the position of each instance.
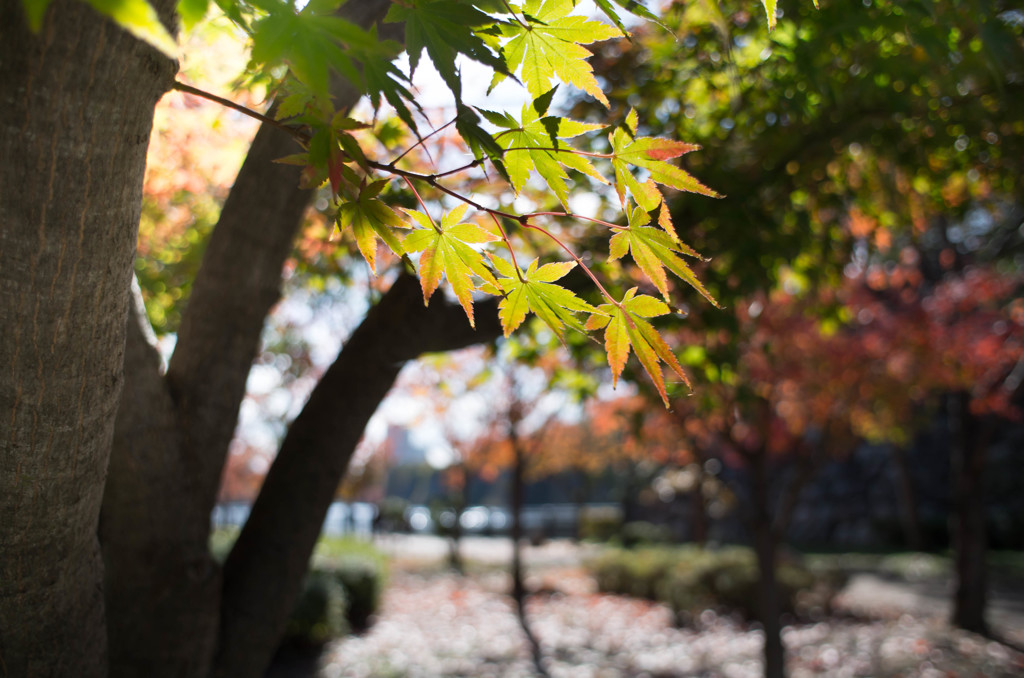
(508, 245)
(579, 262)
(420, 142)
(189, 89)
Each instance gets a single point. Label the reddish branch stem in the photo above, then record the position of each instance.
(195, 91)
(431, 180)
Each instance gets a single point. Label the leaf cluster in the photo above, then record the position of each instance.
(539, 43)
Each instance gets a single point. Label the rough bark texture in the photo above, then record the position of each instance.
(263, 574)
(173, 432)
(162, 586)
(76, 110)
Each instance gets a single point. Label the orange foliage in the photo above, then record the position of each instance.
(611, 432)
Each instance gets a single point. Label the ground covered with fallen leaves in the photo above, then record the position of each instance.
(439, 624)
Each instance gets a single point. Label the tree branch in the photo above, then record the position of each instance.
(237, 284)
(263, 574)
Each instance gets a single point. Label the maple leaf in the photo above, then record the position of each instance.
(769, 10)
(312, 42)
(446, 250)
(631, 6)
(654, 250)
(382, 77)
(547, 44)
(532, 143)
(533, 290)
(445, 28)
(371, 219)
(650, 153)
(480, 142)
(625, 327)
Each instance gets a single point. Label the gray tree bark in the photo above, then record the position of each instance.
(76, 109)
(173, 431)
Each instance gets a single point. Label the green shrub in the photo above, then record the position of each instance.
(319, 613)
(635, 572)
(362, 580)
(689, 579)
(600, 523)
(340, 594)
(641, 533)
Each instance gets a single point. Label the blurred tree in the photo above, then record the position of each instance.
(841, 138)
(508, 445)
(840, 129)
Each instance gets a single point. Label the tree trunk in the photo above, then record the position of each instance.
(765, 546)
(173, 431)
(264, 571)
(969, 530)
(76, 109)
(908, 501)
(460, 501)
(699, 509)
(162, 585)
(518, 494)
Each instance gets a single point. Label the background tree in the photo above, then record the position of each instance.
(508, 446)
(846, 134)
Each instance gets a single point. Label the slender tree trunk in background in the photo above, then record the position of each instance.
(698, 509)
(455, 538)
(627, 502)
(580, 492)
(518, 491)
(765, 547)
(968, 447)
(907, 494)
(76, 110)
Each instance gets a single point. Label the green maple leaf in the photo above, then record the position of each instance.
(371, 219)
(312, 42)
(626, 327)
(532, 143)
(650, 153)
(547, 43)
(631, 6)
(382, 77)
(446, 250)
(445, 28)
(769, 9)
(533, 290)
(479, 140)
(654, 250)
